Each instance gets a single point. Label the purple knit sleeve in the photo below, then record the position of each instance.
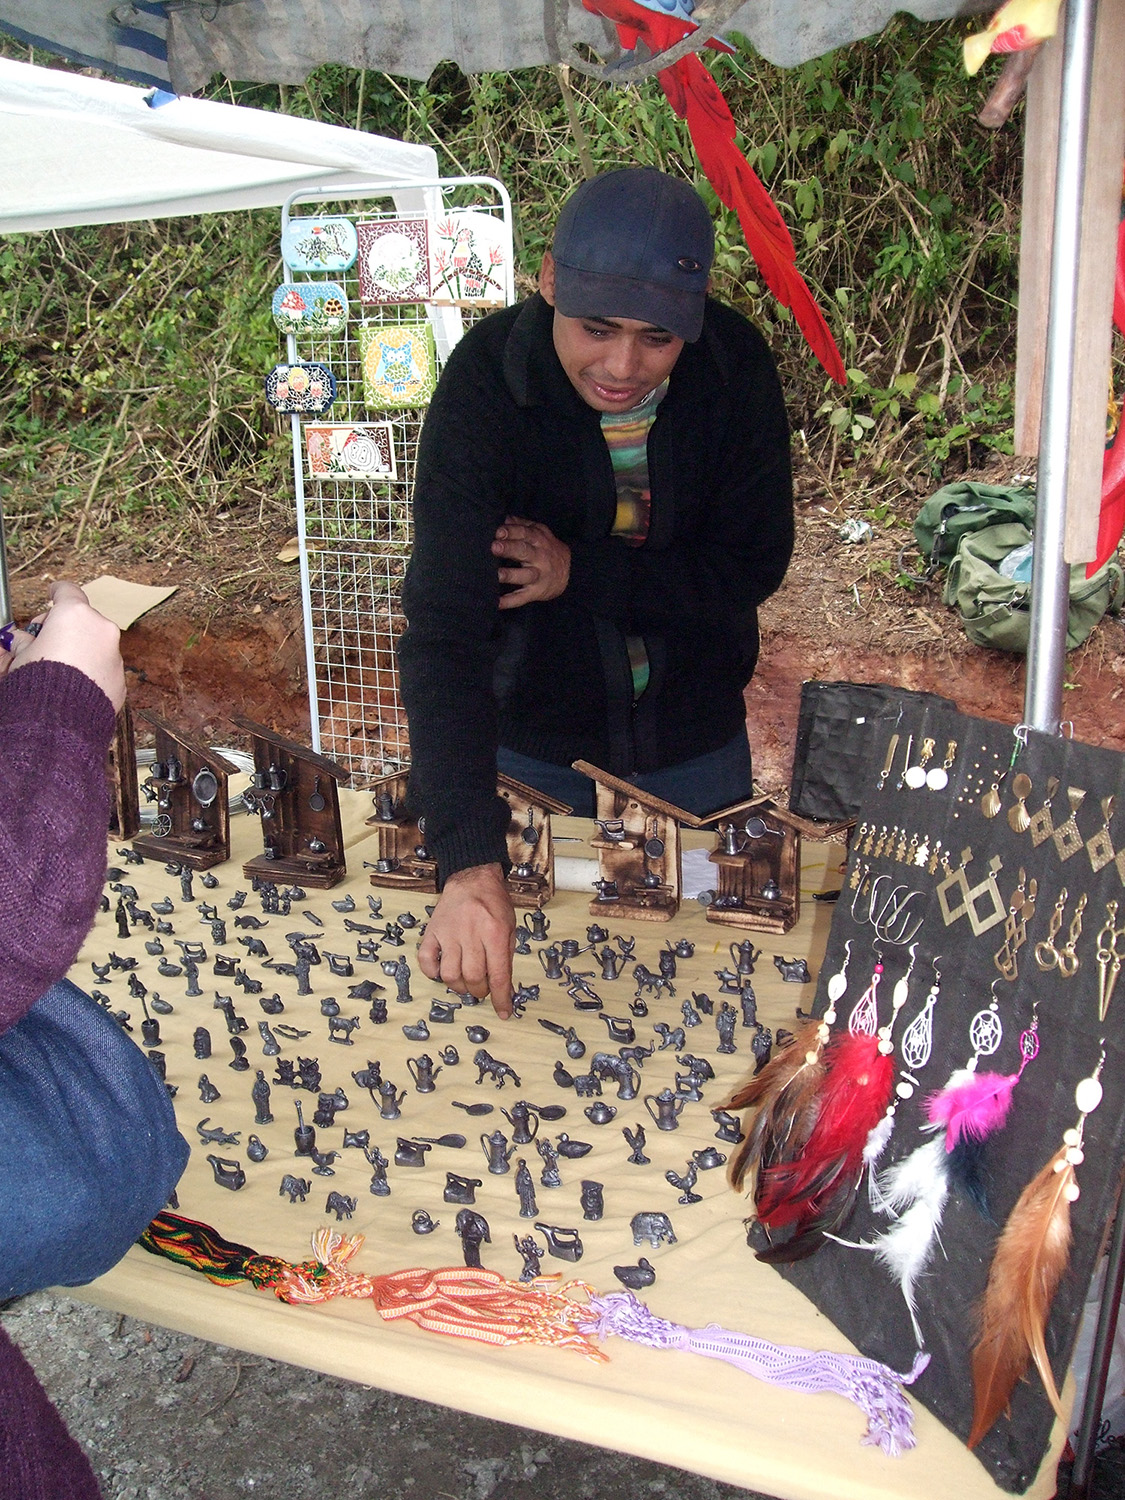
(55, 729)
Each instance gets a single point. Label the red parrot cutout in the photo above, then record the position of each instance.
(697, 98)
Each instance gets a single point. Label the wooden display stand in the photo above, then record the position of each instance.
(294, 790)
(531, 880)
(189, 782)
(403, 863)
(757, 857)
(121, 768)
(638, 848)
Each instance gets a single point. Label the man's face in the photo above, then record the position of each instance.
(611, 362)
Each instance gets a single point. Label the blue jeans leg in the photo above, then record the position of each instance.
(700, 786)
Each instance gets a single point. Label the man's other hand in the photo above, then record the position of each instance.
(470, 938)
(543, 562)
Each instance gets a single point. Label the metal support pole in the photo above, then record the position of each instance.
(1051, 586)
(1100, 1358)
(5, 592)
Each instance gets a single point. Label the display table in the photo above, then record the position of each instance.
(674, 1407)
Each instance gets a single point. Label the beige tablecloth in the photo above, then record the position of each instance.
(674, 1407)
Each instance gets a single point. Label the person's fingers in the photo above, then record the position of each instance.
(525, 575)
(63, 591)
(430, 956)
(526, 595)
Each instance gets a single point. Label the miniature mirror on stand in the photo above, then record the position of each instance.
(638, 847)
(293, 789)
(531, 880)
(188, 783)
(403, 862)
(121, 768)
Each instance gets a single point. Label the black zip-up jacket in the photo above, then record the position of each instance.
(507, 434)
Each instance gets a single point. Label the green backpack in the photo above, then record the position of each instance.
(996, 611)
(958, 509)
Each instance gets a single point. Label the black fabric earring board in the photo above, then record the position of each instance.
(849, 1285)
(837, 730)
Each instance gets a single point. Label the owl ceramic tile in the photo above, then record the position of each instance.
(393, 260)
(342, 450)
(399, 365)
(470, 256)
(308, 389)
(327, 244)
(310, 307)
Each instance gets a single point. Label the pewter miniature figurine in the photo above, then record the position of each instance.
(489, 1066)
(725, 1022)
(654, 1227)
(529, 1251)
(238, 1062)
(215, 1135)
(525, 1125)
(304, 1136)
(472, 1228)
(729, 1129)
(201, 1043)
(749, 1003)
(707, 1158)
(636, 1139)
(610, 1066)
(761, 1044)
(460, 1189)
(380, 1187)
(690, 1014)
(271, 1004)
(208, 1093)
(340, 1204)
(600, 1113)
(549, 1177)
(255, 1149)
(410, 1153)
(669, 1107)
(637, 1277)
(270, 1044)
(525, 1189)
(572, 1149)
(296, 1187)
(450, 1056)
(421, 1223)
(423, 1072)
(497, 1152)
(564, 1244)
(793, 970)
(564, 1079)
(323, 1160)
(591, 1201)
(228, 1174)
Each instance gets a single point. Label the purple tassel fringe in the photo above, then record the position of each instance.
(875, 1388)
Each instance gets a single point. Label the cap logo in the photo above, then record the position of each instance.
(686, 263)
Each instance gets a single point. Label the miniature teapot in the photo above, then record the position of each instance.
(744, 956)
(599, 1113)
(423, 1072)
(612, 963)
(669, 1107)
(525, 1124)
(550, 959)
(497, 1152)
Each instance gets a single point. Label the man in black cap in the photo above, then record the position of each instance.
(602, 500)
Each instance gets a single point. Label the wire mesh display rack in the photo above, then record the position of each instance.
(355, 535)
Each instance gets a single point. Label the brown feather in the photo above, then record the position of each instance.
(1031, 1256)
(784, 1093)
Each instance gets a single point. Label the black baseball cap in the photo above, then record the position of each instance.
(635, 244)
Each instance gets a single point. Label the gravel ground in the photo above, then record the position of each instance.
(167, 1417)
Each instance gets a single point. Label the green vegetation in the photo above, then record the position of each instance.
(132, 355)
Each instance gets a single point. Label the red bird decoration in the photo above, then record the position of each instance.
(697, 98)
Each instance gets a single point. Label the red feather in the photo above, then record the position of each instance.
(697, 98)
(813, 1192)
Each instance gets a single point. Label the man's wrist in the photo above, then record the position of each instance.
(475, 874)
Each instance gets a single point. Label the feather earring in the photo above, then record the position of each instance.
(973, 1106)
(813, 1193)
(785, 1091)
(1031, 1256)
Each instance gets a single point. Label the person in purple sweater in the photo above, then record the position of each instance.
(59, 694)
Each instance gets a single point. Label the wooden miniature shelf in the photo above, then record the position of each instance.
(297, 815)
(197, 833)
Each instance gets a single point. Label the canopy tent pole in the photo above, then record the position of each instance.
(1046, 654)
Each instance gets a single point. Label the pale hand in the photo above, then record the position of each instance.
(73, 632)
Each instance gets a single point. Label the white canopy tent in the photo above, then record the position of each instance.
(80, 150)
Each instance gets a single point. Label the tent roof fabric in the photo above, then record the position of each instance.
(83, 151)
(281, 41)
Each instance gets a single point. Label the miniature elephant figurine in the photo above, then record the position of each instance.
(296, 1187)
(656, 1228)
(340, 1204)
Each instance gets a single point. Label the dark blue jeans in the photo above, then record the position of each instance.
(700, 786)
(89, 1149)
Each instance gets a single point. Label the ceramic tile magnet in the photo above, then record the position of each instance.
(394, 260)
(310, 307)
(470, 254)
(344, 451)
(327, 244)
(399, 365)
(308, 389)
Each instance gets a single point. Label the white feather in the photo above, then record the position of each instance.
(915, 1188)
(873, 1149)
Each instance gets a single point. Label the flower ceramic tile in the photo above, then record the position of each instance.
(399, 365)
(470, 256)
(310, 307)
(394, 260)
(308, 389)
(327, 244)
(346, 451)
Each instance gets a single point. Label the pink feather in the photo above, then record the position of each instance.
(971, 1106)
